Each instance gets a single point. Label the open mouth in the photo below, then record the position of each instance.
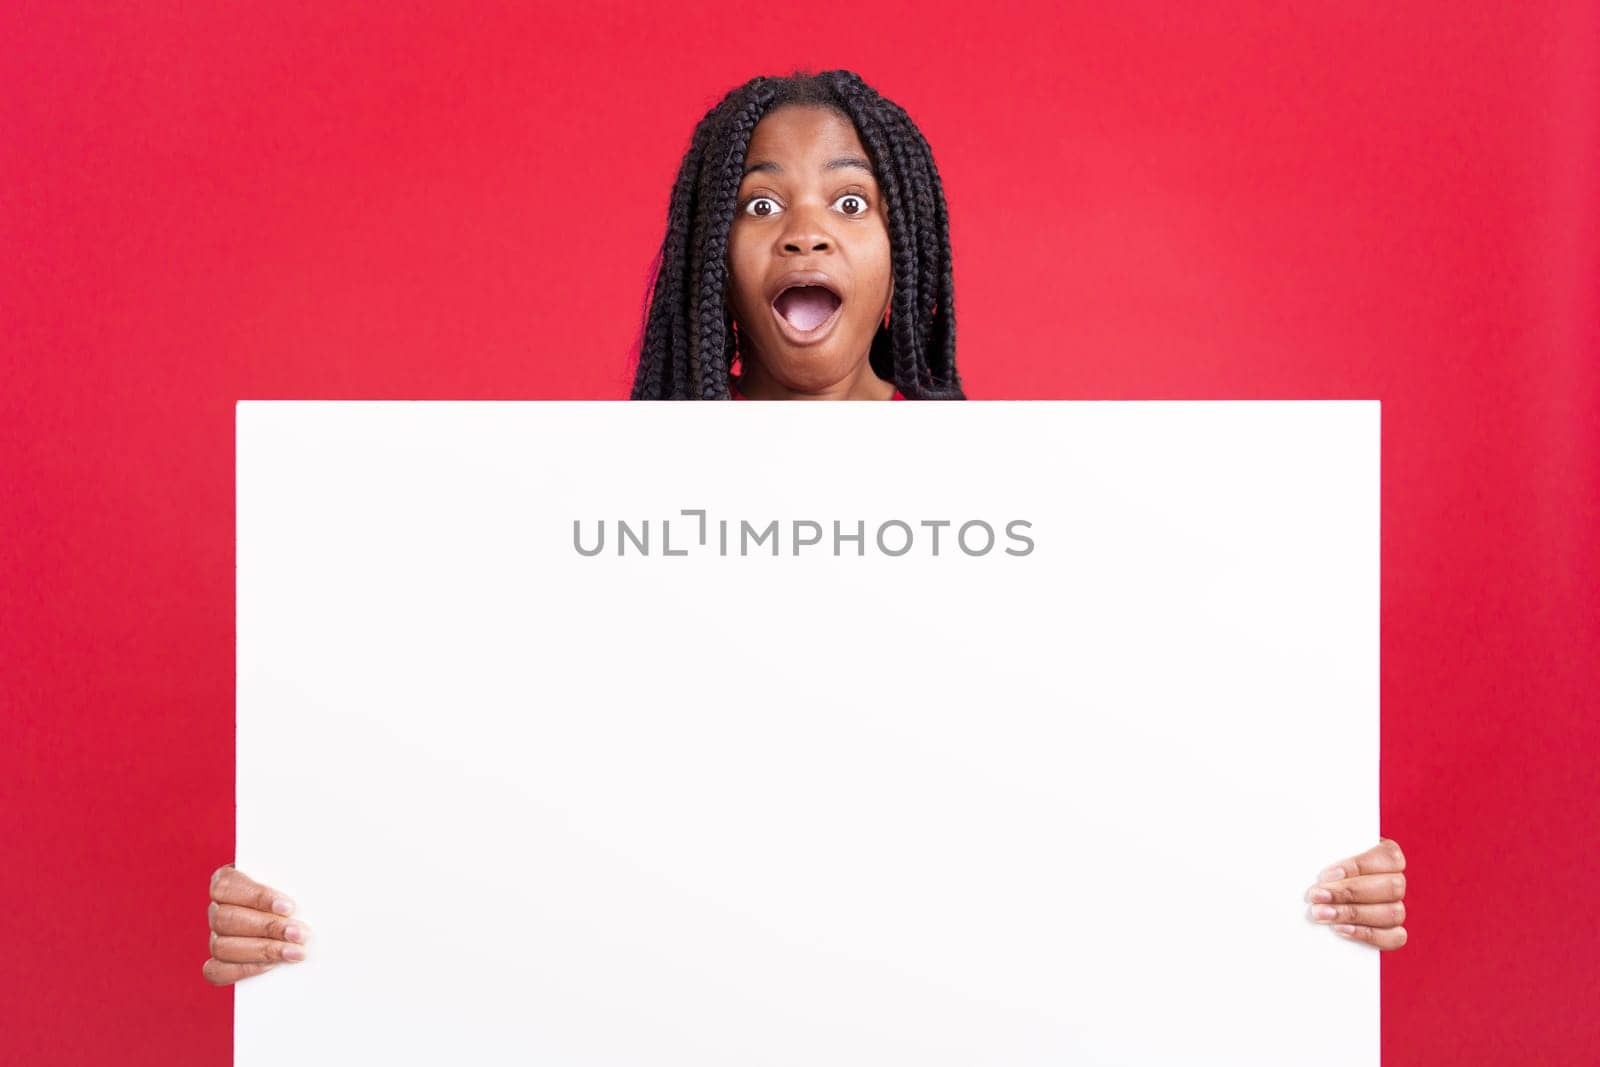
(805, 307)
(807, 310)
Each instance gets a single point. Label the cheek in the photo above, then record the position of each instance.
(744, 279)
(878, 271)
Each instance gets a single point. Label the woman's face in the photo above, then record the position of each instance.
(808, 253)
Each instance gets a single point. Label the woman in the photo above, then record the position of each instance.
(807, 257)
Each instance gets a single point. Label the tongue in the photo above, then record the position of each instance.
(806, 307)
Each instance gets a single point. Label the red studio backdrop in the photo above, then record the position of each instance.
(200, 204)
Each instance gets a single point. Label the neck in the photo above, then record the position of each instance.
(861, 384)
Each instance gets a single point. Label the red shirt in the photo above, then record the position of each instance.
(734, 394)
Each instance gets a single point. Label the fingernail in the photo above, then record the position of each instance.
(283, 905)
(291, 933)
(1321, 896)
(1322, 913)
(1332, 874)
(294, 953)
(1344, 929)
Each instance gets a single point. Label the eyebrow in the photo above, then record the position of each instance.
(769, 167)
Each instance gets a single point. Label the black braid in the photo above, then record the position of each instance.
(687, 345)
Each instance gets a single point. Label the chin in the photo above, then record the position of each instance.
(811, 367)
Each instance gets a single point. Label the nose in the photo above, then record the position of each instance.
(804, 235)
(808, 243)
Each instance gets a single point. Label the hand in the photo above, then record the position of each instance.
(251, 931)
(1363, 896)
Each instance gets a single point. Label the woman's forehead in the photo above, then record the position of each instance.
(807, 138)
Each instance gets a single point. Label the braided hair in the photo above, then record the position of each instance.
(689, 341)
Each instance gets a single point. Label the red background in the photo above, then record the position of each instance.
(312, 200)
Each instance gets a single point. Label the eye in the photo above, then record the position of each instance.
(852, 204)
(762, 207)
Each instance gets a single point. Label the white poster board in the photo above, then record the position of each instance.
(843, 805)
